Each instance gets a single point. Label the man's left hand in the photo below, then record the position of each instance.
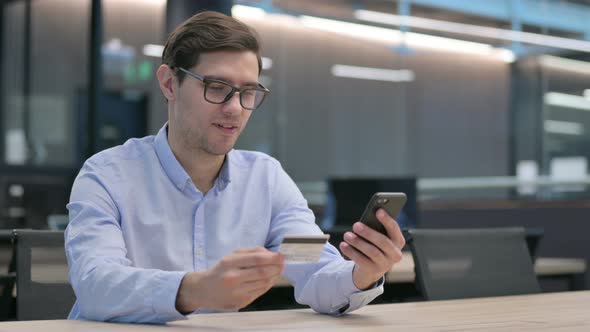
(372, 252)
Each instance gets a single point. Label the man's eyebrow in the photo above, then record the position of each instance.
(220, 78)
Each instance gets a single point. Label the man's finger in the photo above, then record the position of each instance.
(250, 250)
(384, 243)
(257, 287)
(257, 291)
(369, 250)
(355, 255)
(260, 273)
(392, 227)
(252, 259)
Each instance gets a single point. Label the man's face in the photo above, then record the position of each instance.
(213, 128)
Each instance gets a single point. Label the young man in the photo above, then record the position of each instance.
(181, 223)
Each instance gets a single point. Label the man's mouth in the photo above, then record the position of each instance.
(227, 128)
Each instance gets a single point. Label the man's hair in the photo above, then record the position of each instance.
(204, 32)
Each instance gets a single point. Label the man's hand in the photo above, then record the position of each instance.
(372, 252)
(233, 283)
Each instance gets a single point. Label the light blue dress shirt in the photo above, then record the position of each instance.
(138, 224)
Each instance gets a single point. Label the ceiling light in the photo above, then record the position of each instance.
(240, 11)
(352, 29)
(563, 127)
(153, 50)
(567, 101)
(565, 64)
(473, 30)
(375, 74)
(266, 63)
(396, 37)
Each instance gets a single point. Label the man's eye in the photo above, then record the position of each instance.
(216, 87)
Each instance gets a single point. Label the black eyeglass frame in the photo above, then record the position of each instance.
(233, 91)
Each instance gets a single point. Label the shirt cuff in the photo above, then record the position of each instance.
(164, 296)
(357, 297)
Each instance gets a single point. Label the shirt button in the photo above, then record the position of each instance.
(199, 251)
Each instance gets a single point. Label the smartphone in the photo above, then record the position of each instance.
(390, 202)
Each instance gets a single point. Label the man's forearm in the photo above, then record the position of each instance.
(112, 292)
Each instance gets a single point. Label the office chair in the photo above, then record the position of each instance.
(533, 236)
(8, 279)
(466, 263)
(42, 288)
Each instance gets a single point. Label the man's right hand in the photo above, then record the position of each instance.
(233, 283)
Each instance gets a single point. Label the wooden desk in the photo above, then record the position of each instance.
(566, 311)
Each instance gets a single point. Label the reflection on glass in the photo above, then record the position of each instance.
(131, 53)
(566, 124)
(40, 109)
(15, 142)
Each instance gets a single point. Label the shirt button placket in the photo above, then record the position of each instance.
(199, 245)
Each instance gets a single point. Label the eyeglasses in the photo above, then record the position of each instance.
(219, 92)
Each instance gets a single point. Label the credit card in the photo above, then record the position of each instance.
(303, 248)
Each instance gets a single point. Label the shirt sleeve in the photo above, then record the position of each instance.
(107, 286)
(326, 286)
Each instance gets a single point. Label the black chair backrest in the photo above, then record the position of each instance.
(7, 276)
(42, 288)
(466, 263)
(533, 237)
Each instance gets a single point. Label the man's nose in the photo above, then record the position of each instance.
(233, 106)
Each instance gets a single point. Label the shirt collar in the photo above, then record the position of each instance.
(175, 171)
(169, 162)
(225, 172)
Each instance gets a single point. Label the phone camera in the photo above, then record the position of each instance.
(382, 200)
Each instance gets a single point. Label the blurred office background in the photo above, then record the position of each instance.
(480, 105)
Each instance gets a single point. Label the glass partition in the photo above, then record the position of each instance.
(44, 65)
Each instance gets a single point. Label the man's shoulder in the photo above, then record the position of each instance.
(249, 159)
(132, 151)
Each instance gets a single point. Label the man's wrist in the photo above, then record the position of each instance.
(187, 298)
(363, 281)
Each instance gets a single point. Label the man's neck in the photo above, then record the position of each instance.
(202, 167)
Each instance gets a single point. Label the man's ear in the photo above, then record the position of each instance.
(166, 80)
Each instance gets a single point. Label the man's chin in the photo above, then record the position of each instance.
(219, 150)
